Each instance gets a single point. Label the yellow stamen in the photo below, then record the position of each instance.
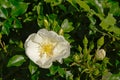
(47, 49)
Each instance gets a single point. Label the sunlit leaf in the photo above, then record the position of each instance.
(108, 22)
(67, 26)
(83, 4)
(16, 60)
(19, 9)
(5, 3)
(3, 13)
(39, 8)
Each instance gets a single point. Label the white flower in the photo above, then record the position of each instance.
(45, 46)
(100, 54)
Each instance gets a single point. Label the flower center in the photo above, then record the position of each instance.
(47, 49)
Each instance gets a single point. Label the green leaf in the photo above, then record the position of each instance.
(83, 4)
(106, 76)
(17, 24)
(108, 22)
(115, 77)
(19, 8)
(100, 42)
(39, 8)
(69, 75)
(6, 26)
(98, 6)
(68, 60)
(32, 67)
(1, 79)
(53, 69)
(61, 72)
(3, 13)
(72, 2)
(5, 3)
(67, 26)
(114, 8)
(117, 62)
(16, 60)
(54, 2)
(63, 7)
(114, 29)
(91, 46)
(35, 76)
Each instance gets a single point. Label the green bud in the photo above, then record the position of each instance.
(100, 42)
(61, 32)
(76, 57)
(85, 41)
(46, 23)
(96, 72)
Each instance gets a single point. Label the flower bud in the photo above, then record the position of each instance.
(100, 54)
(46, 23)
(61, 32)
(76, 57)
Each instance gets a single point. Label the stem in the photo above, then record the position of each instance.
(108, 34)
(3, 46)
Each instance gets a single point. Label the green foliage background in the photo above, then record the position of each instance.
(88, 25)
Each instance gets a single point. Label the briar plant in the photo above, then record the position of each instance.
(59, 40)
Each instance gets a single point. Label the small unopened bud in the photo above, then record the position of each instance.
(46, 23)
(100, 54)
(76, 57)
(61, 32)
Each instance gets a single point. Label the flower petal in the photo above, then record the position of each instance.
(43, 33)
(38, 39)
(62, 50)
(48, 35)
(44, 61)
(33, 53)
(31, 37)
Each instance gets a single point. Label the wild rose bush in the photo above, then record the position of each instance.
(59, 40)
